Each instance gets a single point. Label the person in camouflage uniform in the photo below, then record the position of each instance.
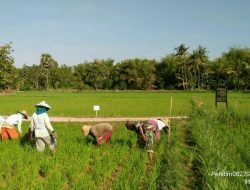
(146, 131)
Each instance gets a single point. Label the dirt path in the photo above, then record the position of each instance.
(189, 163)
(106, 119)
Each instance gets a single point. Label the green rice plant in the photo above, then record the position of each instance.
(154, 172)
(210, 141)
(117, 103)
(174, 172)
(221, 147)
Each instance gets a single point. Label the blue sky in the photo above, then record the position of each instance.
(73, 31)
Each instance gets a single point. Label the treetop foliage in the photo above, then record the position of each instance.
(179, 70)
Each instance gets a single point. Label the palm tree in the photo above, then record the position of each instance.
(218, 70)
(239, 60)
(198, 59)
(46, 62)
(182, 55)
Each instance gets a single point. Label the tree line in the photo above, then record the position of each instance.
(181, 69)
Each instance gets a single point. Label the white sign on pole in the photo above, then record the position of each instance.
(96, 109)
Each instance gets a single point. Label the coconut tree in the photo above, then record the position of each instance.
(217, 71)
(239, 61)
(182, 55)
(198, 59)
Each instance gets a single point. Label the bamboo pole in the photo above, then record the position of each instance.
(170, 112)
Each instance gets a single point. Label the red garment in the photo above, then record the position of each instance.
(8, 133)
(104, 138)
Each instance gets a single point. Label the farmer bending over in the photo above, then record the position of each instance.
(148, 131)
(8, 126)
(136, 126)
(158, 125)
(40, 124)
(101, 132)
(145, 131)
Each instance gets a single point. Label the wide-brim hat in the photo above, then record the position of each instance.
(43, 104)
(24, 113)
(86, 129)
(166, 121)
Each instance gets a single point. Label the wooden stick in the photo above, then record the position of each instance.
(169, 130)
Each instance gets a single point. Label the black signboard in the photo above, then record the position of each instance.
(221, 95)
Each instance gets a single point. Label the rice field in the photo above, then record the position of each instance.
(208, 151)
(117, 103)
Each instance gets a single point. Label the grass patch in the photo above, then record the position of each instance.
(116, 104)
(222, 147)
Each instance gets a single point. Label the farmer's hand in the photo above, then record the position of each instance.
(31, 134)
(99, 140)
(145, 138)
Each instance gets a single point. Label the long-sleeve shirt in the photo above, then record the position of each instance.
(157, 123)
(98, 130)
(41, 125)
(1, 121)
(161, 124)
(15, 120)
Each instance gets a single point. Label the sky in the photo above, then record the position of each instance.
(74, 31)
